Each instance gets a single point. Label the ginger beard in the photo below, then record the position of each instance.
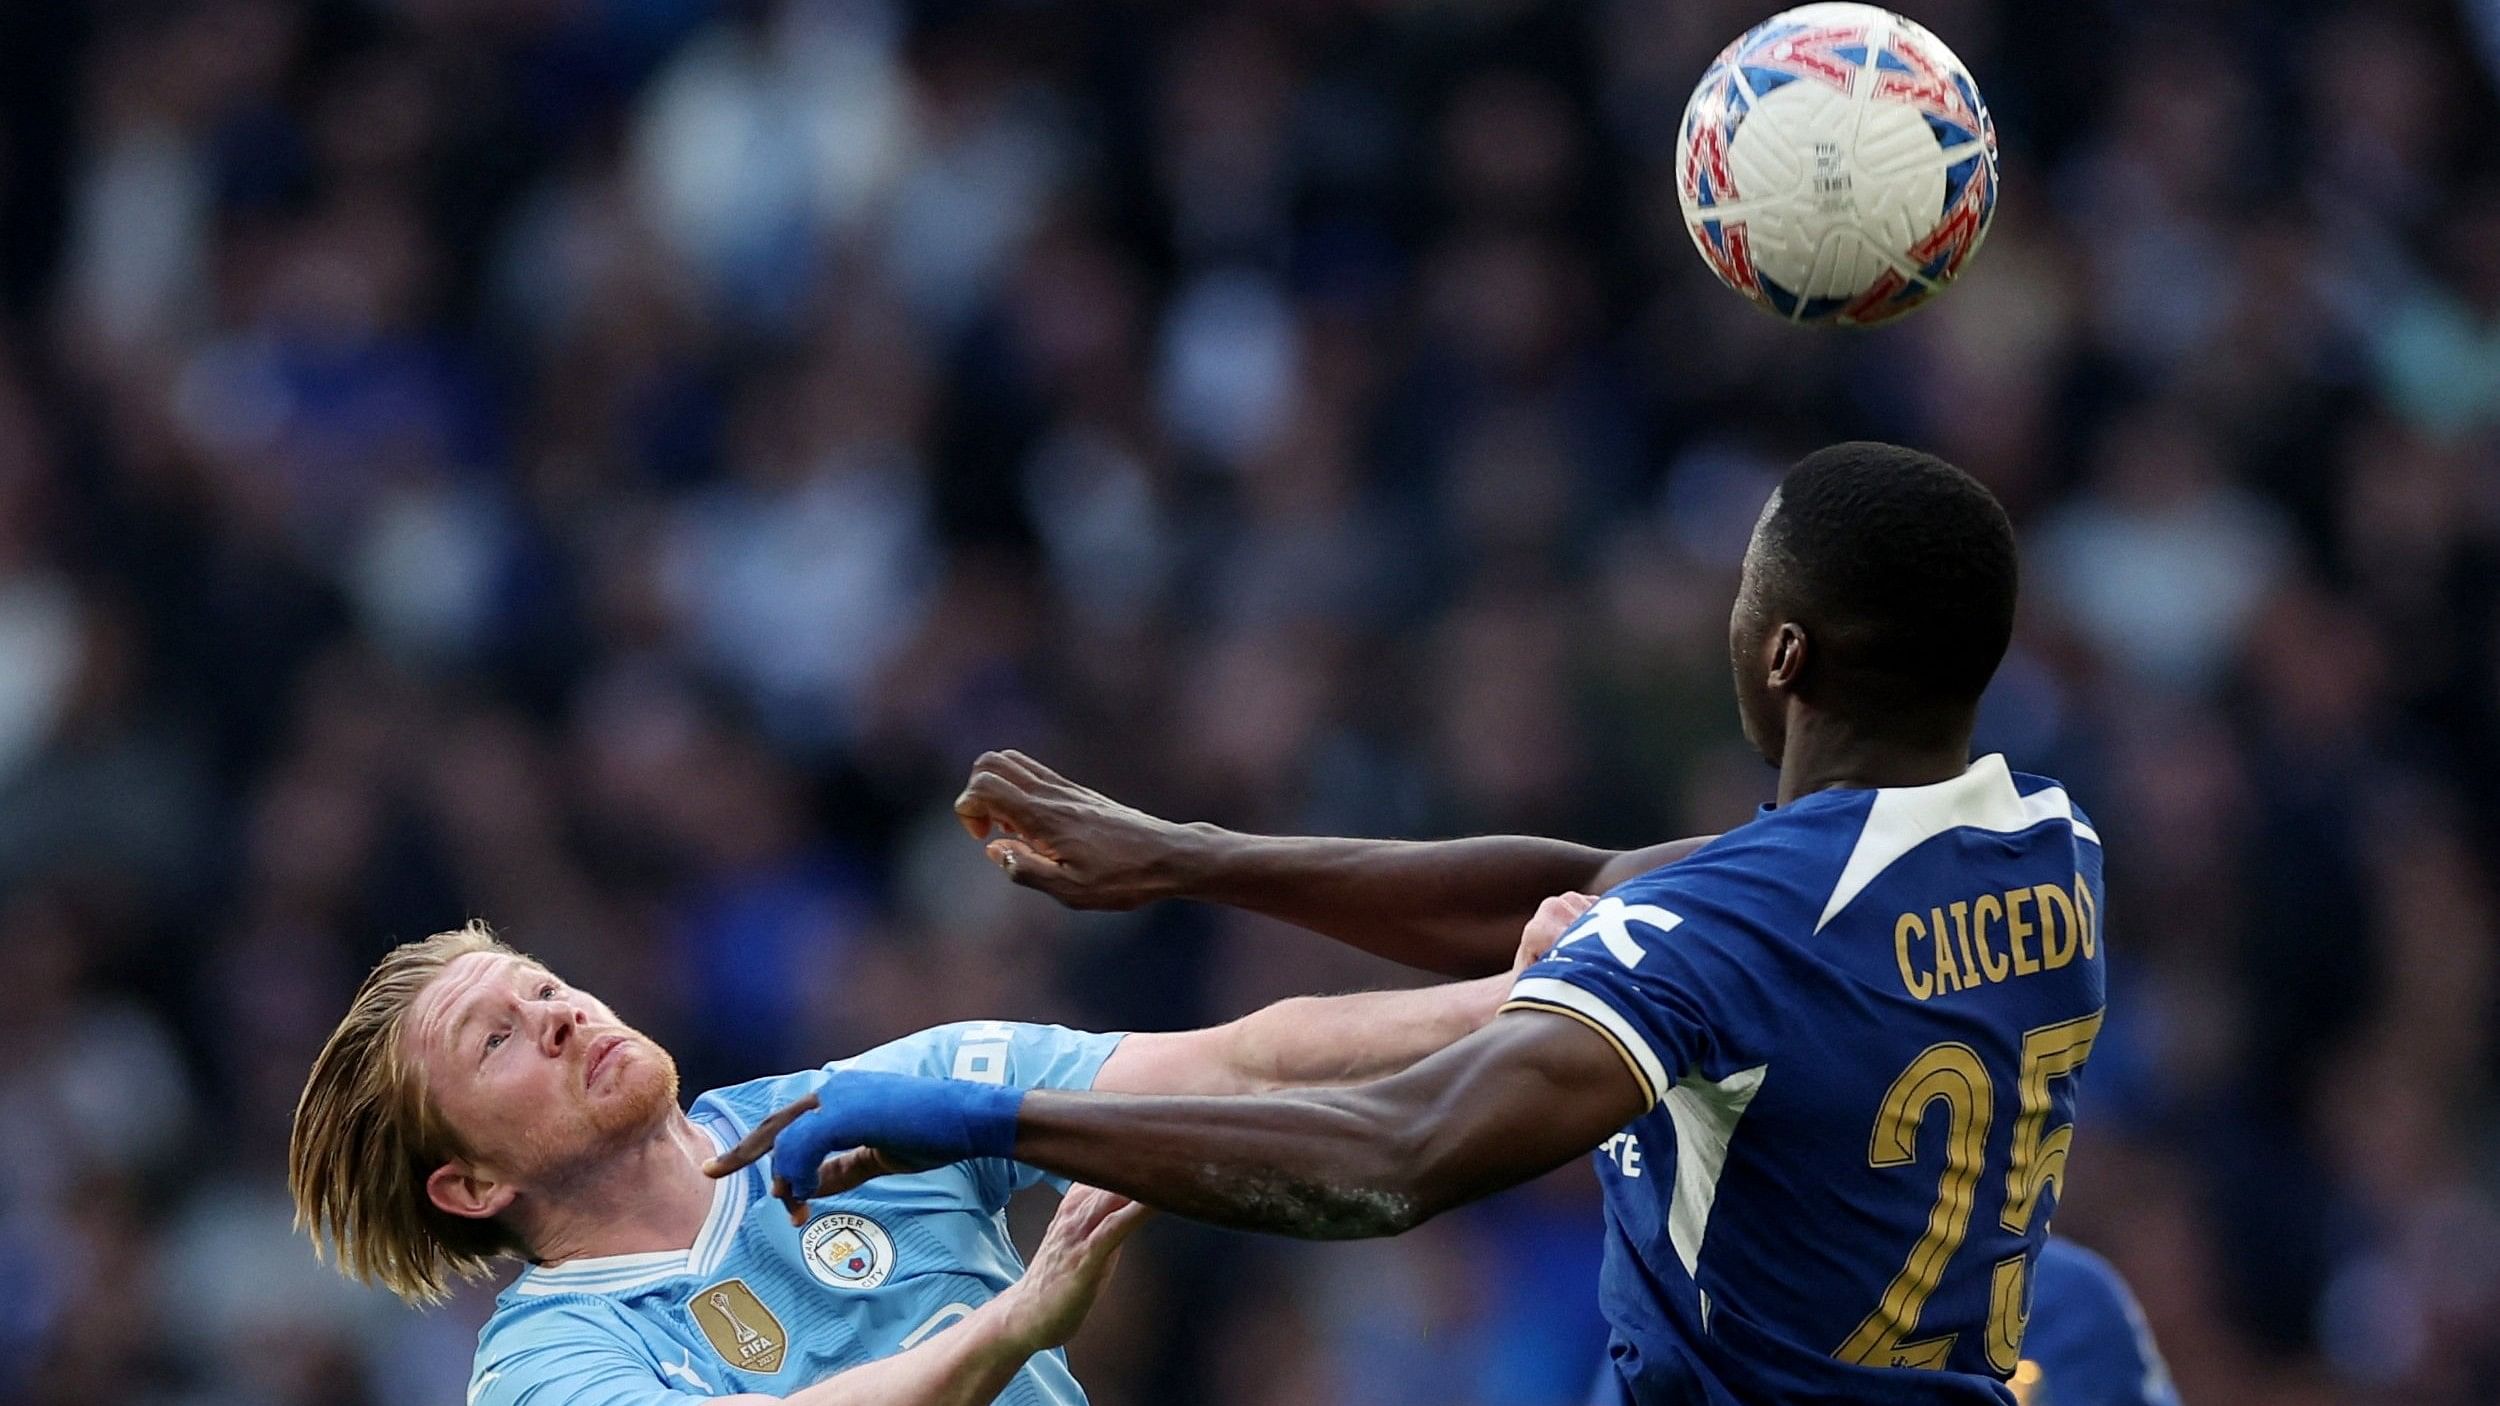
(636, 1095)
(527, 1113)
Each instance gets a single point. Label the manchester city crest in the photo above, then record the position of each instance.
(848, 1251)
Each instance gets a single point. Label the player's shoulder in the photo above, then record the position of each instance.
(2045, 799)
(1761, 868)
(733, 1109)
(536, 1323)
(2088, 1333)
(739, 1107)
(983, 1051)
(2070, 1275)
(1810, 857)
(539, 1350)
(934, 1050)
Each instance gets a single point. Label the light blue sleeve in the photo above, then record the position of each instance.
(999, 1052)
(562, 1358)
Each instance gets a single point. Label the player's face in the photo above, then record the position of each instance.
(535, 1077)
(1749, 630)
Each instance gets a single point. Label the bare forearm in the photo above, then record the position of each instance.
(1314, 1164)
(1450, 906)
(1514, 1100)
(967, 1364)
(1315, 1041)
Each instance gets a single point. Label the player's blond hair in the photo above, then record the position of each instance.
(367, 1136)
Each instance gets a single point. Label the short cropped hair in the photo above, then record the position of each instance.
(366, 1138)
(1901, 567)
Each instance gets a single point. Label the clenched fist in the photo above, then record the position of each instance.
(1071, 842)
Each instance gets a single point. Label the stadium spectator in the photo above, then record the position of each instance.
(610, 465)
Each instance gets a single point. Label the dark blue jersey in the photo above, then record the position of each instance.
(1861, 1020)
(2088, 1344)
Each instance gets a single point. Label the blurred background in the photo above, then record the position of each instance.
(609, 465)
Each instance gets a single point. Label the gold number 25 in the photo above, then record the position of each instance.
(1953, 1075)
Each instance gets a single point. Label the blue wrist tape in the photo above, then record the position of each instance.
(932, 1121)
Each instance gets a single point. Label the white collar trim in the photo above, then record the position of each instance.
(613, 1274)
(1904, 817)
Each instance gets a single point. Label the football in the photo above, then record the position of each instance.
(1836, 165)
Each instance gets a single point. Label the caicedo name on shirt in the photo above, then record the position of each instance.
(1995, 937)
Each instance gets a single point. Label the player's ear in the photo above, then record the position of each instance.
(458, 1189)
(1788, 655)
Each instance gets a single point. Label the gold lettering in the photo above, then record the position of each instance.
(1961, 933)
(2054, 954)
(1916, 983)
(1944, 953)
(1967, 953)
(1989, 960)
(2017, 927)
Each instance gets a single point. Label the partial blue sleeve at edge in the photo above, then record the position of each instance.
(2089, 1336)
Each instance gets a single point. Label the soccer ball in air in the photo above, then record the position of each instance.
(1836, 165)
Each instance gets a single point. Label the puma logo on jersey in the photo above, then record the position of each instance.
(684, 1367)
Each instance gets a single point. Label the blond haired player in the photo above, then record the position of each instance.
(473, 1107)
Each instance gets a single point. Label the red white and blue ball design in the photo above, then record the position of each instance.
(1836, 165)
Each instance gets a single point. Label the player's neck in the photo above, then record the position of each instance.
(1823, 752)
(649, 1195)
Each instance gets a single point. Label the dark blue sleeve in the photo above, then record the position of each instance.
(1662, 970)
(2089, 1337)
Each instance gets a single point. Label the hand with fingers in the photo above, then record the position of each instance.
(859, 1125)
(1071, 842)
(1554, 917)
(1070, 1266)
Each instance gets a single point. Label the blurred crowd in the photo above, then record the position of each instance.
(607, 466)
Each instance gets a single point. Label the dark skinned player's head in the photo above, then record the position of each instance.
(1878, 592)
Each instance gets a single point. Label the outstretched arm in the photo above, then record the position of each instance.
(1311, 1041)
(1304, 1042)
(1450, 906)
(1514, 1100)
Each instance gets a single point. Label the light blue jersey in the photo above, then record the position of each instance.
(760, 1306)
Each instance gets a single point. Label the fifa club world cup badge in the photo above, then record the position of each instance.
(848, 1251)
(739, 1327)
